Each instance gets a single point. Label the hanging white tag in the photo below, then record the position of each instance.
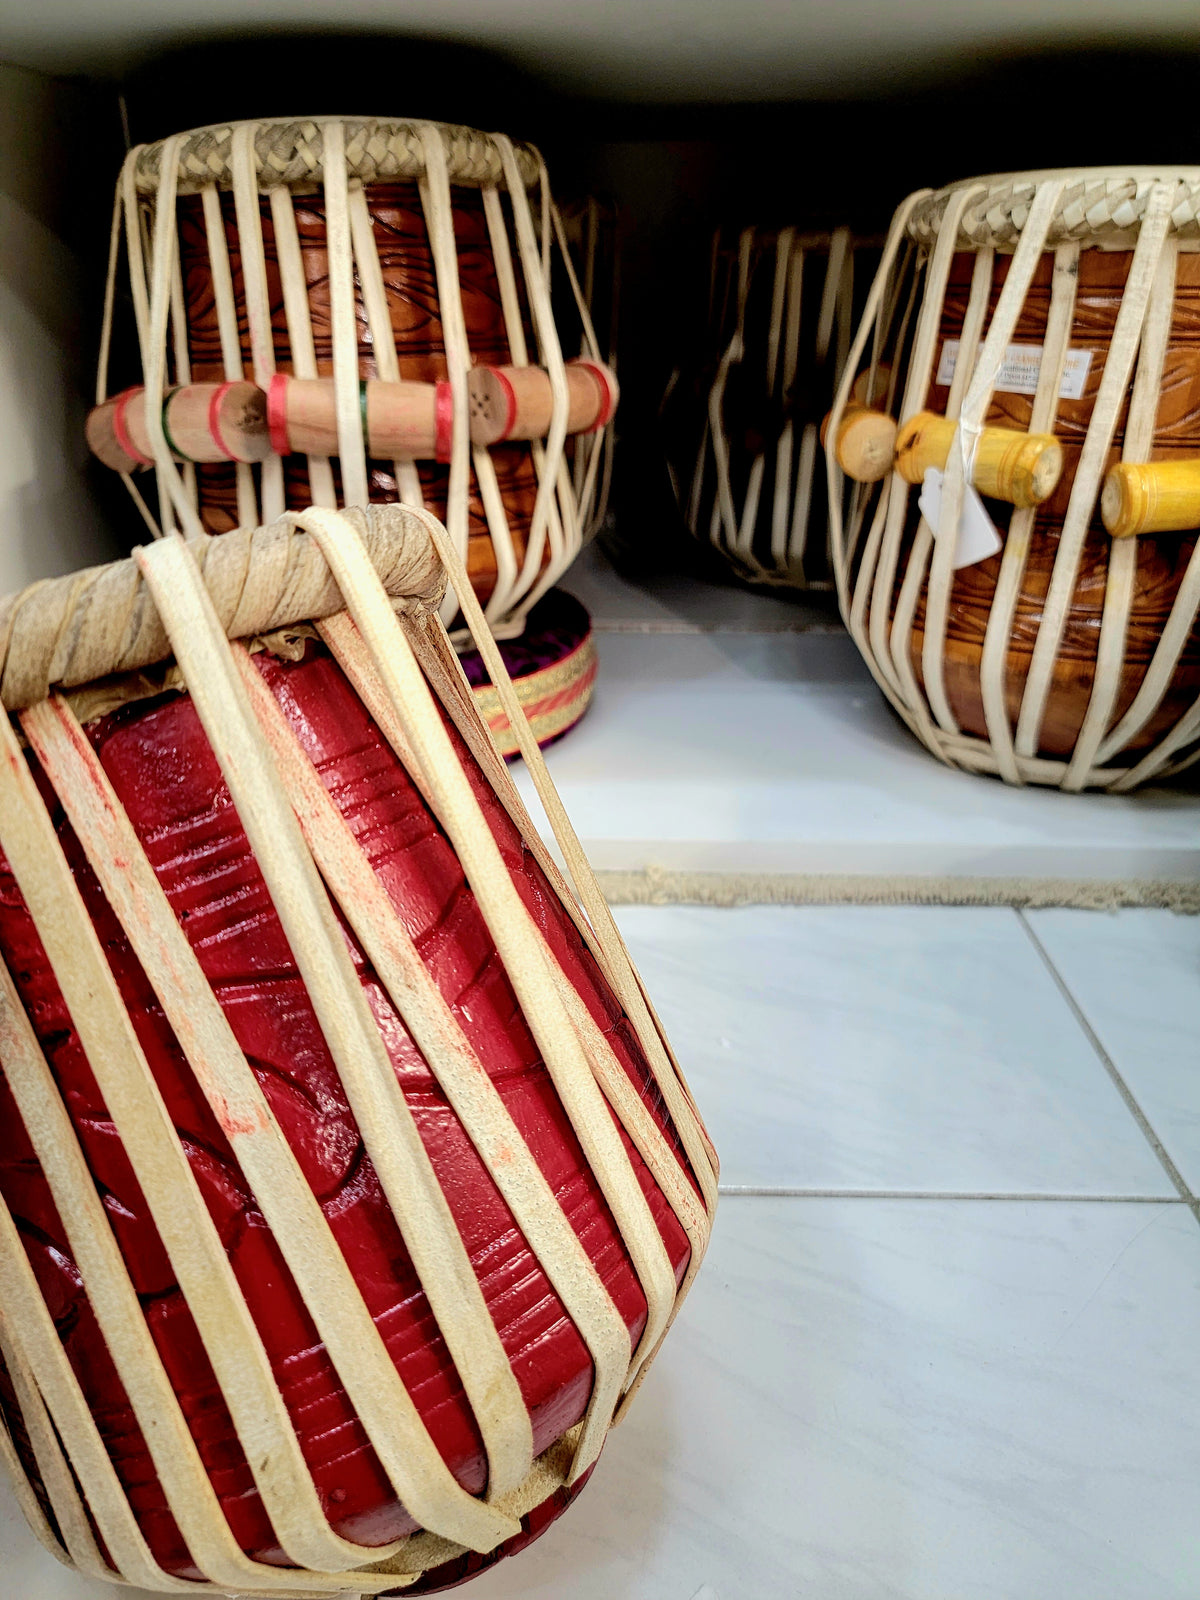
(978, 537)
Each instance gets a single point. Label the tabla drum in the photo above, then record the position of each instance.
(343, 311)
(742, 422)
(1030, 353)
(348, 1184)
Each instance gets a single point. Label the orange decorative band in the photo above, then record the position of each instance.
(608, 396)
(553, 698)
(504, 384)
(277, 414)
(214, 421)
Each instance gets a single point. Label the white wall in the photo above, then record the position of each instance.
(48, 521)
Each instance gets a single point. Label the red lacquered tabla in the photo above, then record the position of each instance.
(349, 1184)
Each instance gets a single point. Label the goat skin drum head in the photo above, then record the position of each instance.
(158, 761)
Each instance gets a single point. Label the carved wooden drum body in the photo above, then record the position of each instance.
(1055, 316)
(396, 261)
(348, 1183)
(743, 421)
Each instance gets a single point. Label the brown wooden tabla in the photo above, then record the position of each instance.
(743, 420)
(1065, 304)
(366, 249)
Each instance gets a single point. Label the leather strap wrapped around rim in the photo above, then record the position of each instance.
(74, 630)
(292, 155)
(1098, 204)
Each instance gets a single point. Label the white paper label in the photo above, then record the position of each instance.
(978, 537)
(1020, 368)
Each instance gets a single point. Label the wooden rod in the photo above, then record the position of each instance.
(201, 422)
(1151, 497)
(403, 420)
(1022, 468)
(516, 402)
(865, 444)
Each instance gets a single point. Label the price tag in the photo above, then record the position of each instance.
(1019, 371)
(977, 537)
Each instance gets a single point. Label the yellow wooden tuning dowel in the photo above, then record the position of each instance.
(1151, 497)
(865, 444)
(1022, 468)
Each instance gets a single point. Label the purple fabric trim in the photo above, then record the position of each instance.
(557, 625)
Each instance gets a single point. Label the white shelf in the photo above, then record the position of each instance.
(718, 742)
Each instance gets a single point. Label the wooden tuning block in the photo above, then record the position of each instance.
(1022, 468)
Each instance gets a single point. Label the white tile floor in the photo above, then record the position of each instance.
(947, 1342)
(953, 1352)
(917, 1374)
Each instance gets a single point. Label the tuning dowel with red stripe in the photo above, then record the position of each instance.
(408, 419)
(401, 421)
(201, 422)
(518, 402)
(298, 416)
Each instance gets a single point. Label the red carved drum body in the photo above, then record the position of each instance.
(152, 745)
(1058, 312)
(156, 756)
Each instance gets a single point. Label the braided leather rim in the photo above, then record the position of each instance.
(1098, 204)
(378, 149)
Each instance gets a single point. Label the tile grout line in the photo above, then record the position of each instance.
(1114, 1072)
(736, 1191)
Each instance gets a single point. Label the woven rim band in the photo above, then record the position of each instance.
(292, 154)
(553, 698)
(1098, 204)
(69, 631)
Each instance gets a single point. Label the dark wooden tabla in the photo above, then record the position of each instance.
(359, 250)
(742, 412)
(402, 242)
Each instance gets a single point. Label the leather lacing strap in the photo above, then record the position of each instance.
(74, 630)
